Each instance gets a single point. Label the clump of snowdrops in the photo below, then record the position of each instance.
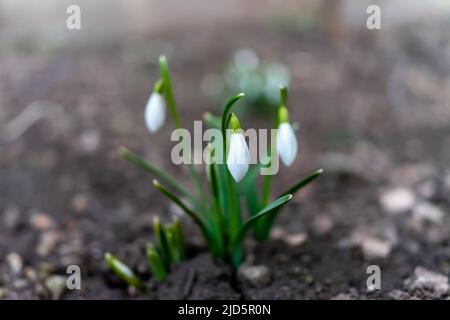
(215, 207)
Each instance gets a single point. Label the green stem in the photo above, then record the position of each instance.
(165, 74)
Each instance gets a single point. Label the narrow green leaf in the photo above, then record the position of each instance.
(304, 182)
(225, 118)
(212, 120)
(154, 170)
(164, 69)
(162, 243)
(263, 231)
(173, 251)
(179, 238)
(278, 203)
(197, 218)
(123, 271)
(156, 263)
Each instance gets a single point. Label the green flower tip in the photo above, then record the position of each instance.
(123, 151)
(283, 114)
(162, 59)
(156, 184)
(159, 86)
(234, 122)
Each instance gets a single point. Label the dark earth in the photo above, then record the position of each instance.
(373, 112)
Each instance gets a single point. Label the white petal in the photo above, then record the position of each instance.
(238, 157)
(155, 112)
(286, 143)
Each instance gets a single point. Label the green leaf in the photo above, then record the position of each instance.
(212, 120)
(226, 116)
(179, 238)
(271, 208)
(164, 69)
(197, 218)
(123, 271)
(174, 244)
(162, 243)
(154, 170)
(263, 231)
(156, 263)
(304, 182)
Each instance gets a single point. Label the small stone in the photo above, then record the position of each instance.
(257, 276)
(41, 221)
(322, 224)
(80, 203)
(427, 280)
(397, 200)
(56, 285)
(15, 262)
(48, 243)
(374, 248)
(3, 292)
(398, 294)
(343, 296)
(426, 211)
(296, 239)
(427, 189)
(89, 140)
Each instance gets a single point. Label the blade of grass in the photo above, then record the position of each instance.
(165, 74)
(164, 70)
(269, 209)
(123, 271)
(313, 176)
(197, 218)
(212, 120)
(156, 263)
(157, 172)
(264, 231)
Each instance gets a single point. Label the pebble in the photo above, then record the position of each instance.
(257, 276)
(397, 200)
(56, 285)
(41, 221)
(89, 141)
(424, 279)
(80, 203)
(294, 240)
(398, 295)
(48, 243)
(374, 248)
(322, 224)
(15, 262)
(426, 211)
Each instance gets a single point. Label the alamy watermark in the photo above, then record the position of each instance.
(207, 147)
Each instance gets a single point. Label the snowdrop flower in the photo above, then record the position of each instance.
(238, 155)
(155, 110)
(286, 140)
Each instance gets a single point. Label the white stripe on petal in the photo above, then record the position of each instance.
(238, 156)
(155, 112)
(286, 143)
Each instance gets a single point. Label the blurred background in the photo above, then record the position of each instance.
(372, 107)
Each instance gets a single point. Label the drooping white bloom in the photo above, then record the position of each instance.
(238, 156)
(155, 112)
(286, 143)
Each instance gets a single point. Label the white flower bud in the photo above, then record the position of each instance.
(155, 112)
(238, 156)
(286, 143)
